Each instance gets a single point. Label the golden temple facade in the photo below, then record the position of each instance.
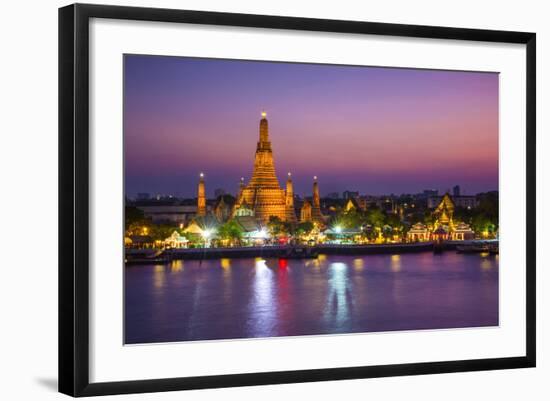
(263, 194)
(262, 197)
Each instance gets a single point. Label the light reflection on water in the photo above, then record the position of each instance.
(395, 263)
(338, 303)
(262, 313)
(240, 298)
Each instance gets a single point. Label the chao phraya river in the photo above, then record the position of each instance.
(244, 298)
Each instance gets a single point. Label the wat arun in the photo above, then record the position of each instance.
(263, 194)
(263, 197)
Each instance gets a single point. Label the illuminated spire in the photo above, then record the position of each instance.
(201, 197)
(263, 192)
(289, 200)
(264, 131)
(316, 207)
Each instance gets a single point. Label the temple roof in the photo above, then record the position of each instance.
(248, 223)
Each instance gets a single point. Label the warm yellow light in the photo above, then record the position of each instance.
(225, 263)
(264, 114)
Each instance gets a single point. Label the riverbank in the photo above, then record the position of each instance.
(274, 251)
(281, 251)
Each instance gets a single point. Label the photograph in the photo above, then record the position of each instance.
(268, 199)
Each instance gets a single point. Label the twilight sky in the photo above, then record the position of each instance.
(367, 129)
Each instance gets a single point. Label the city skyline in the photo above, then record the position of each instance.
(368, 129)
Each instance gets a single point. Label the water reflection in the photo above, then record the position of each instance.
(339, 300)
(488, 261)
(395, 264)
(176, 266)
(359, 263)
(240, 298)
(262, 314)
(225, 264)
(159, 277)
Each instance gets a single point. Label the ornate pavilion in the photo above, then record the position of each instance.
(444, 227)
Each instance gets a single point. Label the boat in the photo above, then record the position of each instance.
(147, 256)
(300, 252)
(477, 247)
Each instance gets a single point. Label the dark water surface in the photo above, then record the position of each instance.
(241, 298)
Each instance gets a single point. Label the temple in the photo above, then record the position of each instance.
(263, 194)
(262, 197)
(443, 213)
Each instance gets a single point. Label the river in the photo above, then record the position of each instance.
(244, 298)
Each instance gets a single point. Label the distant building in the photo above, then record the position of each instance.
(427, 193)
(350, 194)
(456, 191)
(333, 195)
(465, 201)
(169, 213)
(143, 196)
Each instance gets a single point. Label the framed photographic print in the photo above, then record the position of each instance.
(249, 199)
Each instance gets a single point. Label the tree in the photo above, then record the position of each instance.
(304, 228)
(134, 220)
(375, 217)
(276, 226)
(159, 232)
(230, 231)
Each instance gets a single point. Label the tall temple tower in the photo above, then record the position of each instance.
(305, 212)
(263, 193)
(201, 197)
(316, 207)
(289, 200)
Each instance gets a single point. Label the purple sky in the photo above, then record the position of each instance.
(373, 130)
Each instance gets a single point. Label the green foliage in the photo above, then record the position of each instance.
(134, 220)
(231, 231)
(277, 227)
(160, 231)
(303, 228)
(375, 217)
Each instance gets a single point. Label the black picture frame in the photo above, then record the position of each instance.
(74, 200)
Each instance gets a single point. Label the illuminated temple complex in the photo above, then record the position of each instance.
(263, 197)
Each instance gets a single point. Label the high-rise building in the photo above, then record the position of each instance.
(456, 190)
(350, 194)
